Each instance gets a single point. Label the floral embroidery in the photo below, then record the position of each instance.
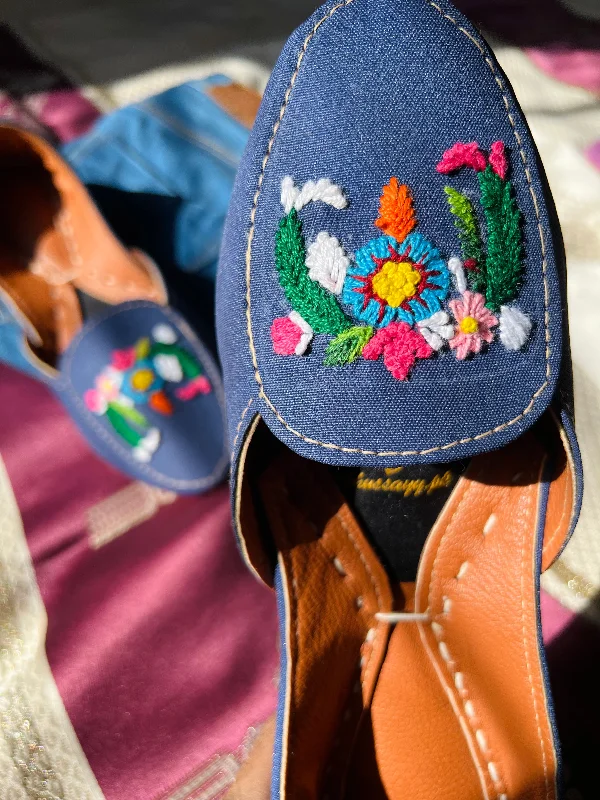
(138, 376)
(388, 298)
(436, 330)
(396, 282)
(474, 324)
(327, 263)
(291, 335)
(400, 346)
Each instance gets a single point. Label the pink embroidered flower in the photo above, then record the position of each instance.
(198, 385)
(400, 346)
(498, 160)
(123, 359)
(474, 326)
(290, 335)
(109, 382)
(95, 402)
(462, 155)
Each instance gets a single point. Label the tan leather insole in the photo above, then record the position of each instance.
(32, 241)
(400, 713)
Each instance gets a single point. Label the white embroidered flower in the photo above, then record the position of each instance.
(168, 367)
(164, 334)
(327, 263)
(515, 327)
(456, 267)
(437, 329)
(147, 446)
(323, 190)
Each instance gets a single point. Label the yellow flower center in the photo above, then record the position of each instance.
(142, 379)
(396, 282)
(469, 325)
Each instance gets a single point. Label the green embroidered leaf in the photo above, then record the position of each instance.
(504, 262)
(467, 225)
(347, 346)
(314, 303)
(128, 413)
(120, 424)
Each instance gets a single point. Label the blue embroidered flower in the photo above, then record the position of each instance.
(396, 282)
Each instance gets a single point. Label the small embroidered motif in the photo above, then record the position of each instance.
(327, 263)
(515, 327)
(503, 264)
(164, 334)
(391, 281)
(400, 346)
(396, 211)
(196, 386)
(498, 274)
(474, 326)
(290, 335)
(348, 346)
(498, 160)
(323, 190)
(436, 330)
(467, 225)
(315, 304)
(462, 155)
(168, 367)
(138, 375)
(456, 267)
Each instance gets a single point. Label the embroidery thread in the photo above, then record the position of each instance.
(138, 376)
(387, 299)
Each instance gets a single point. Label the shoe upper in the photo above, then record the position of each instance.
(404, 148)
(391, 296)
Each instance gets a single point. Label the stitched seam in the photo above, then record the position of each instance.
(239, 425)
(211, 147)
(257, 375)
(480, 737)
(377, 594)
(526, 646)
(103, 434)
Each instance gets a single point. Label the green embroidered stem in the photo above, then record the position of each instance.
(121, 425)
(347, 347)
(130, 414)
(314, 303)
(504, 265)
(467, 225)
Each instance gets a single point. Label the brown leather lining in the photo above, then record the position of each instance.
(459, 702)
(54, 241)
(238, 101)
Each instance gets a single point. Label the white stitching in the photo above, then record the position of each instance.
(257, 375)
(239, 425)
(458, 677)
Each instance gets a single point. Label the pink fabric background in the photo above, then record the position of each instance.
(162, 644)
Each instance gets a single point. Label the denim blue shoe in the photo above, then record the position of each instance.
(91, 319)
(391, 321)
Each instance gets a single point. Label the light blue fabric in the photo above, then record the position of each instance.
(179, 145)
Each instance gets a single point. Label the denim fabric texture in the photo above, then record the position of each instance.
(363, 91)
